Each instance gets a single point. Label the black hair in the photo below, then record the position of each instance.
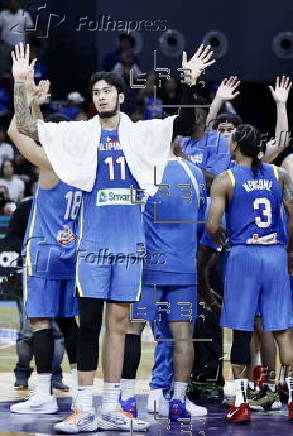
(127, 36)
(248, 140)
(56, 118)
(201, 101)
(227, 117)
(111, 78)
(2, 166)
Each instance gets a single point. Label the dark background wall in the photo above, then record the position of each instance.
(249, 25)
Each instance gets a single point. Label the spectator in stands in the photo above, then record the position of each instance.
(124, 42)
(125, 65)
(171, 95)
(12, 182)
(7, 207)
(73, 109)
(6, 149)
(152, 106)
(14, 23)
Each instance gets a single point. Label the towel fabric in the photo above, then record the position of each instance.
(71, 147)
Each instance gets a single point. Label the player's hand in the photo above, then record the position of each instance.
(21, 65)
(41, 95)
(201, 60)
(281, 91)
(227, 89)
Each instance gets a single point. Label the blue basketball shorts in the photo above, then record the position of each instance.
(177, 302)
(257, 277)
(46, 298)
(113, 281)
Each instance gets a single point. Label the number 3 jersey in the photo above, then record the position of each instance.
(50, 240)
(111, 222)
(253, 215)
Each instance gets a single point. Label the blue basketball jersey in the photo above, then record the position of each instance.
(253, 214)
(171, 218)
(50, 240)
(211, 152)
(111, 220)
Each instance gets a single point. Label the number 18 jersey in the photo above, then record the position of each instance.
(50, 240)
(253, 215)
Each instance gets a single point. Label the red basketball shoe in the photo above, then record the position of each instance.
(238, 414)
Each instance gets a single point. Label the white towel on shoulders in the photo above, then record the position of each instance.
(71, 147)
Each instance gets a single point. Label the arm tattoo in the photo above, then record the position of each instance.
(23, 118)
(287, 186)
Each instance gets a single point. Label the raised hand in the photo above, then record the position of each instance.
(21, 65)
(281, 91)
(227, 89)
(201, 60)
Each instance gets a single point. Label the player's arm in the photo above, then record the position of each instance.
(21, 67)
(287, 186)
(201, 60)
(28, 147)
(280, 95)
(220, 190)
(225, 92)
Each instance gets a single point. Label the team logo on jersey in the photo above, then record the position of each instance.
(115, 197)
(65, 236)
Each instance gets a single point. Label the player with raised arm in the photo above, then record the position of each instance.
(111, 220)
(252, 194)
(49, 279)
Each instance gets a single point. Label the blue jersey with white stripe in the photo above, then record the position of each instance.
(253, 214)
(50, 240)
(111, 222)
(171, 220)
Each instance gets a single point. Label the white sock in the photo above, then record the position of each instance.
(84, 398)
(240, 391)
(44, 385)
(127, 388)
(180, 389)
(289, 382)
(74, 384)
(111, 396)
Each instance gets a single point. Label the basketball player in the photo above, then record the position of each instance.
(171, 227)
(252, 194)
(111, 220)
(49, 278)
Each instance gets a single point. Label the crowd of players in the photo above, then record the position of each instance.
(103, 230)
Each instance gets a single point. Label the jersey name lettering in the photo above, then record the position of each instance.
(258, 185)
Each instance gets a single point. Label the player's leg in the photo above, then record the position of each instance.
(132, 354)
(41, 306)
(90, 321)
(285, 343)
(241, 297)
(66, 321)
(124, 287)
(276, 306)
(181, 317)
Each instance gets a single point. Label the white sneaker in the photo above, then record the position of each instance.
(162, 405)
(123, 421)
(195, 410)
(36, 404)
(277, 405)
(78, 422)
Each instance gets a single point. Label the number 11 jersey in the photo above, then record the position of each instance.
(111, 221)
(253, 215)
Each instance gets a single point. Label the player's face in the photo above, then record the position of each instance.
(105, 98)
(227, 130)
